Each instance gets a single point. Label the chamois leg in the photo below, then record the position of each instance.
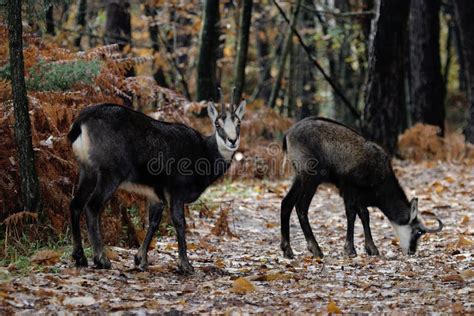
(308, 190)
(349, 248)
(106, 185)
(287, 205)
(87, 181)
(155, 212)
(179, 223)
(369, 242)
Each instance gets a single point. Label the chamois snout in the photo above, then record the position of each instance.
(227, 125)
(410, 234)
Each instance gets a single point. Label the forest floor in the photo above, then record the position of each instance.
(247, 272)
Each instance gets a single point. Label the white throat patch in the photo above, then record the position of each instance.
(403, 233)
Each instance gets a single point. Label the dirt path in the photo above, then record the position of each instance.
(439, 278)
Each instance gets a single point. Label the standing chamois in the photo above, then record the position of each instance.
(322, 150)
(169, 163)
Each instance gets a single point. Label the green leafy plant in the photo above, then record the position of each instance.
(62, 76)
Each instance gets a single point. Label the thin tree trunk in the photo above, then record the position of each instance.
(81, 21)
(118, 29)
(50, 21)
(385, 94)
(293, 82)
(284, 54)
(426, 81)
(29, 184)
(208, 52)
(159, 74)
(263, 56)
(244, 34)
(464, 10)
(461, 59)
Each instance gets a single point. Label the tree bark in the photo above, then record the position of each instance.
(208, 53)
(463, 10)
(284, 55)
(385, 94)
(50, 20)
(29, 184)
(263, 55)
(118, 29)
(426, 81)
(81, 21)
(242, 49)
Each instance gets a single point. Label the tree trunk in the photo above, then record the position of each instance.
(385, 94)
(426, 81)
(208, 53)
(50, 20)
(159, 74)
(461, 59)
(81, 21)
(242, 49)
(29, 185)
(263, 55)
(284, 54)
(464, 10)
(118, 29)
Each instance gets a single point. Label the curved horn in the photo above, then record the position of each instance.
(435, 230)
(219, 94)
(234, 101)
(219, 99)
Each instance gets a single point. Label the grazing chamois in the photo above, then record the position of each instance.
(169, 163)
(322, 150)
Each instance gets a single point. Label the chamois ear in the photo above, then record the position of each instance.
(212, 111)
(413, 209)
(240, 111)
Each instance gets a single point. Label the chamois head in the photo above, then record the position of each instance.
(410, 233)
(227, 126)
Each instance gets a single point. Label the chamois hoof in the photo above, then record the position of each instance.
(316, 251)
(349, 250)
(371, 250)
(286, 248)
(102, 262)
(80, 259)
(185, 268)
(288, 253)
(141, 263)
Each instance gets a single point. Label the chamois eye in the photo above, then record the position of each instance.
(419, 233)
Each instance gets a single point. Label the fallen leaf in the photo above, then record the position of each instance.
(112, 255)
(464, 242)
(438, 187)
(219, 263)
(79, 301)
(46, 257)
(467, 274)
(274, 277)
(465, 220)
(332, 307)
(242, 286)
(449, 179)
(452, 278)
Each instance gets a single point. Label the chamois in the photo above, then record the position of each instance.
(169, 163)
(322, 150)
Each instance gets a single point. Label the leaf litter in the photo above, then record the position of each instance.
(240, 268)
